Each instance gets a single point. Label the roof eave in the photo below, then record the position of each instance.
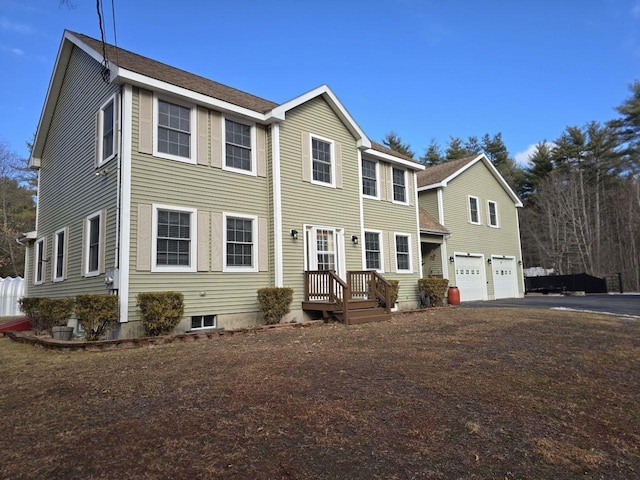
(391, 159)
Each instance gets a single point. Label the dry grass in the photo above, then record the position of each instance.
(451, 393)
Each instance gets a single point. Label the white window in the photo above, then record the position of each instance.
(399, 185)
(239, 139)
(93, 244)
(174, 125)
(474, 210)
(59, 255)
(369, 178)
(107, 135)
(199, 322)
(174, 239)
(373, 251)
(38, 271)
(322, 161)
(240, 234)
(492, 213)
(403, 253)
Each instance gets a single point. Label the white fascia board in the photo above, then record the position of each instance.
(432, 186)
(121, 75)
(391, 159)
(279, 112)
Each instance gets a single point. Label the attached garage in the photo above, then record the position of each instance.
(470, 277)
(504, 277)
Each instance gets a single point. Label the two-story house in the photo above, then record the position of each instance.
(153, 179)
(469, 229)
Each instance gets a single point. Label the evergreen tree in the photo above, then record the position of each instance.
(540, 167)
(395, 143)
(432, 154)
(456, 149)
(628, 128)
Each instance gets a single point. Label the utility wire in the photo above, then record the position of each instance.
(115, 37)
(105, 62)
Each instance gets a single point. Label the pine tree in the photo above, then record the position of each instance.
(395, 143)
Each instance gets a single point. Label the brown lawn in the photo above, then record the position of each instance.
(451, 393)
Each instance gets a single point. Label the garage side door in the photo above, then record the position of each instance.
(504, 277)
(469, 278)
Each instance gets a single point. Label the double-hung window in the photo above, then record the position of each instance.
(399, 185)
(59, 254)
(369, 178)
(174, 246)
(372, 250)
(174, 131)
(322, 161)
(93, 244)
(403, 253)
(38, 276)
(239, 154)
(492, 210)
(474, 210)
(240, 235)
(106, 131)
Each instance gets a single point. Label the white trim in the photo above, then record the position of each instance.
(114, 152)
(469, 215)
(361, 207)
(497, 225)
(395, 243)
(415, 193)
(364, 249)
(483, 269)
(520, 266)
(391, 159)
(406, 188)
(339, 251)
(125, 207)
(54, 270)
(332, 145)
(515, 273)
(255, 238)
(39, 260)
(87, 231)
(193, 239)
(193, 134)
(444, 258)
(360, 175)
(440, 200)
(254, 156)
(277, 205)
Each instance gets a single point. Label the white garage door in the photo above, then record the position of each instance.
(469, 278)
(504, 277)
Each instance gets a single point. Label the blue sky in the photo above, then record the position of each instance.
(425, 69)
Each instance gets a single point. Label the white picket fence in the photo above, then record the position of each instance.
(11, 290)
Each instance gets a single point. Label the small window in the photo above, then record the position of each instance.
(240, 234)
(203, 321)
(93, 244)
(369, 178)
(174, 125)
(399, 186)
(321, 159)
(174, 239)
(59, 249)
(238, 151)
(474, 212)
(107, 137)
(403, 253)
(38, 276)
(493, 213)
(372, 251)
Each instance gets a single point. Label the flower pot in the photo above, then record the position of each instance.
(62, 333)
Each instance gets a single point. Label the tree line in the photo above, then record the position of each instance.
(581, 192)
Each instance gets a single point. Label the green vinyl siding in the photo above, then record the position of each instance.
(69, 189)
(208, 189)
(428, 200)
(305, 203)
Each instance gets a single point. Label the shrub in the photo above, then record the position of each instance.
(30, 307)
(435, 287)
(395, 287)
(160, 311)
(97, 314)
(274, 303)
(55, 312)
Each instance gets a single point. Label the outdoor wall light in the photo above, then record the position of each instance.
(519, 262)
(489, 261)
(451, 259)
(294, 234)
(354, 239)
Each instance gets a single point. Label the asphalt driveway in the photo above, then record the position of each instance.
(627, 304)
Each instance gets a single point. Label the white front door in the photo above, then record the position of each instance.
(470, 277)
(504, 277)
(325, 249)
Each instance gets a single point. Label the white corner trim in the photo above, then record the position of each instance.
(125, 202)
(277, 205)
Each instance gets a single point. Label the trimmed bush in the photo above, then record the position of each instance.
(274, 303)
(30, 306)
(55, 312)
(97, 314)
(435, 287)
(160, 311)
